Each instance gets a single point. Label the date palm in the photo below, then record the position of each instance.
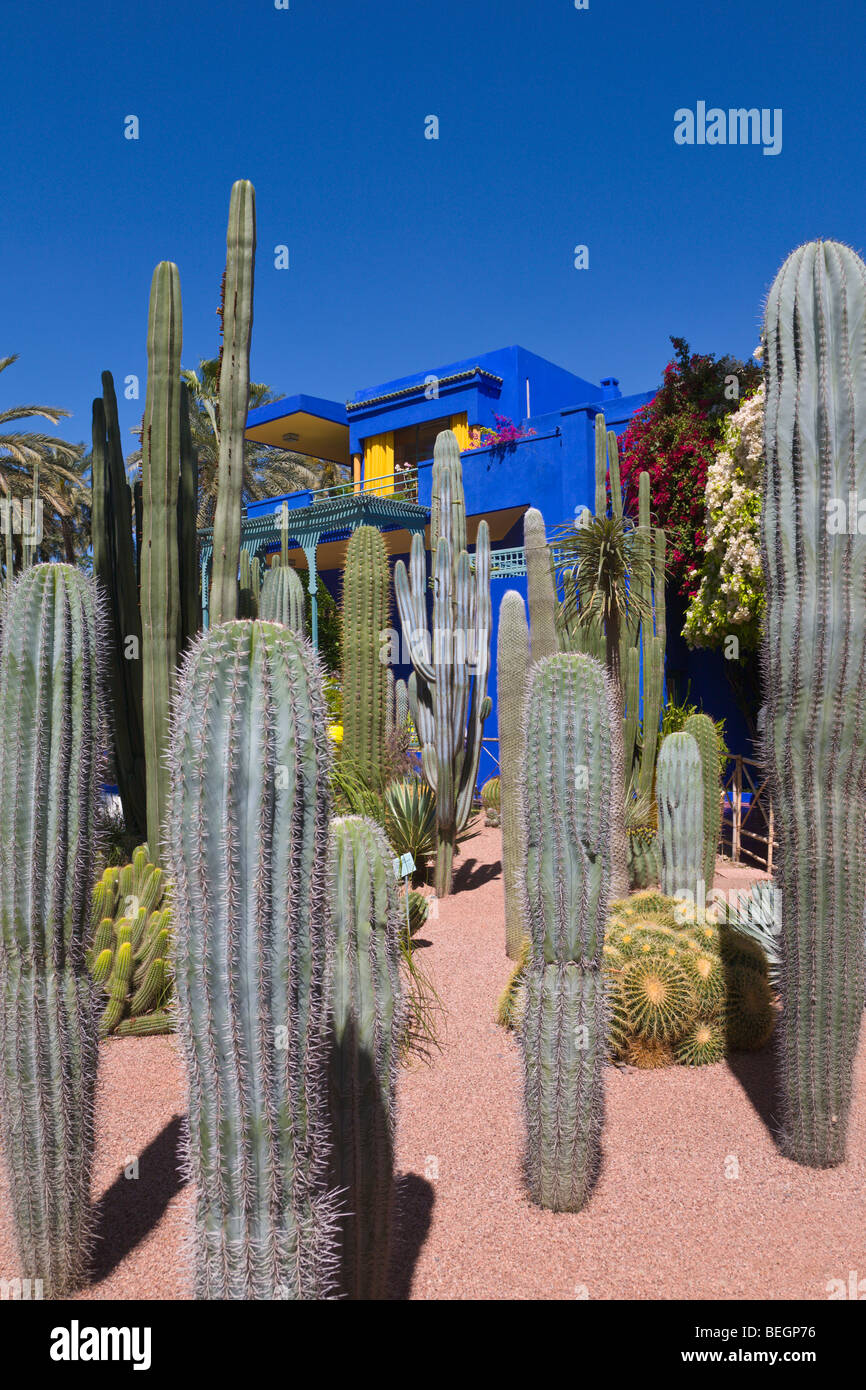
(268, 471)
(58, 465)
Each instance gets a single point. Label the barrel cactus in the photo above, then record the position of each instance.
(282, 599)
(569, 779)
(680, 796)
(815, 654)
(249, 895)
(490, 797)
(50, 778)
(364, 1041)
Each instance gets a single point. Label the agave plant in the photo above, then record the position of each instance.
(410, 819)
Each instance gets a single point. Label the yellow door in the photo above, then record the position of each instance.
(460, 426)
(379, 464)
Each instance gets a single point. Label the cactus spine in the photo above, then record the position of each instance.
(680, 796)
(512, 669)
(448, 716)
(815, 659)
(249, 901)
(365, 621)
(234, 397)
(703, 731)
(569, 782)
(50, 776)
(364, 1042)
(282, 599)
(160, 584)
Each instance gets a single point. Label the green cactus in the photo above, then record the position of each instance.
(282, 599)
(490, 800)
(569, 780)
(680, 796)
(815, 651)
(160, 582)
(50, 777)
(128, 907)
(114, 566)
(643, 856)
(447, 689)
(237, 323)
(419, 911)
(512, 670)
(703, 731)
(249, 897)
(365, 618)
(541, 587)
(364, 1044)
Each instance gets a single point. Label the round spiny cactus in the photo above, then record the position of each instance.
(703, 1044)
(649, 1054)
(749, 1013)
(659, 997)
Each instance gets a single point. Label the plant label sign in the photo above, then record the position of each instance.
(404, 866)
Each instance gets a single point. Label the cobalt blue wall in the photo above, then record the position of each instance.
(550, 387)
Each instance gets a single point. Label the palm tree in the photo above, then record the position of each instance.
(268, 471)
(57, 467)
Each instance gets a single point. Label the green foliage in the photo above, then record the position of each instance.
(674, 437)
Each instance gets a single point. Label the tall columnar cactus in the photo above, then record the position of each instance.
(114, 566)
(234, 397)
(703, 731)
(815, 657)
(512, 669)
(50, 777)
(282, 599)
(543, 603)
(680, 796)
(365, 621)
(364, 1042)
(189, 579)
(447, 689)
(250, 889)
(569, 780)
(160, 584)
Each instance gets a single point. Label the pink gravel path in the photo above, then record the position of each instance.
(665, 1222)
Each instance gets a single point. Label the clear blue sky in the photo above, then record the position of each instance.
(556, 129)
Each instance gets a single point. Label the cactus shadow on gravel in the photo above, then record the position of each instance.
(131, 1207)
(472, 874)
(414, 1202)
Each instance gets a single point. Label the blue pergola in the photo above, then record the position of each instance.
(328, 519)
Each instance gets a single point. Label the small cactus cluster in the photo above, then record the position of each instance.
(681, 991)
(678, 992)
(490, 801)
(129, 956)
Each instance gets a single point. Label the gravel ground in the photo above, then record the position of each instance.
(693, 1201)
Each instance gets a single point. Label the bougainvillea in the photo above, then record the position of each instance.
(730, 596)
(674, 438)
(506, 432)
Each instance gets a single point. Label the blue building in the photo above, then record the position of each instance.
(384, 437)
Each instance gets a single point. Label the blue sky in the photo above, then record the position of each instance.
(556, 129)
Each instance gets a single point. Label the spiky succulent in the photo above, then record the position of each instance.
(128, 912)
(703, 1044)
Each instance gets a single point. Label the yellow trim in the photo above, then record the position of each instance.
(379, 464)
(460, 426)
(356, 472)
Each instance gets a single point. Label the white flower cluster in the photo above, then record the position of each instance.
(731, 594)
